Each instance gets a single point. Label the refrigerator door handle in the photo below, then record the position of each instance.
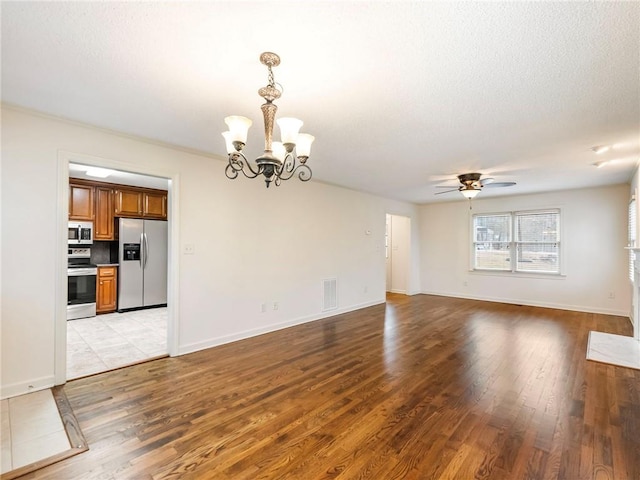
(142, 253)
(146, 250)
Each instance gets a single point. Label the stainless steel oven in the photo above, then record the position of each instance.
(80, 233)
(81, 275)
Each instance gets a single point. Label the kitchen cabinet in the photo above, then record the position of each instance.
(107, 289)
(128, 203)
(81, 202)
(154, 205)
(139, 203)
(104, 214)
(101, 202)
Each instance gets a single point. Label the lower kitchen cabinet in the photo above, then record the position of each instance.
(107, 289)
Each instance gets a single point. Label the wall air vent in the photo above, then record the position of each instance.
(329, 294)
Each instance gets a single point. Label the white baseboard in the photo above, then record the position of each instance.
(395, 290)
(215, 342)
(20, 388)
(559, 306)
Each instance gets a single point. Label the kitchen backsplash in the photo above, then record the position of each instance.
(104, 252)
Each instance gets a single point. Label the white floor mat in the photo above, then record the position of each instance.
(614, 350)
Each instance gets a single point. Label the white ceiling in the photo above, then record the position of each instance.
(401, 96)
(77, 170)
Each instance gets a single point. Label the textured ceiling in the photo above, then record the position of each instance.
(401, 96)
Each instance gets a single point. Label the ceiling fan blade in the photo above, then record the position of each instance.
(499, 184)
(487, 181)
(446, 186)
(447, 191)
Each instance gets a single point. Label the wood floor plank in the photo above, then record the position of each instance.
(423, 387)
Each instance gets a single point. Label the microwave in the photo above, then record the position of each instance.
(80, 233)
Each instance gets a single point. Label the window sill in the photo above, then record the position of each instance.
(511, 274)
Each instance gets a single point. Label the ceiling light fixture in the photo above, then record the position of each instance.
(469, 191)
(600, 149)
(278, 161)
(99, 172)
(613, 161)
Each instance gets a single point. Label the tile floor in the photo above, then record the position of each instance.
(31, 430)
(114, 340)
(31, 427)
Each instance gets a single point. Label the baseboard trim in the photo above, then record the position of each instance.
(511, 301)
(29, 386)
(215, 342)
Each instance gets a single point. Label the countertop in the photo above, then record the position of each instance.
(107, 264)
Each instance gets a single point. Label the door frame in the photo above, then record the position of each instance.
(407, 265)
(173, 258)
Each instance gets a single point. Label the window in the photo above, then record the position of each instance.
(517, 241)
(632, 235)
(492, 244)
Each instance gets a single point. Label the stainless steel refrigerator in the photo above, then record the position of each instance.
(142, 255)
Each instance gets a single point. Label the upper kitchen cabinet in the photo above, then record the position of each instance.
(101, 202)
(155, 205)
(141, 203)
(103, 225)
(81, 202)
(128, 203)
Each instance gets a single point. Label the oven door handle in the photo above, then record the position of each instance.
(81, 272)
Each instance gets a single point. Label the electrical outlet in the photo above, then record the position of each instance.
(612, 295)
(189, 249)
(275, 305)
(466, 284)
(263, 307)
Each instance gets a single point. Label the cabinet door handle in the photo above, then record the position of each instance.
(100, 283)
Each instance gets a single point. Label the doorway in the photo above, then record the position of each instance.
(114, 339)
(397, 252)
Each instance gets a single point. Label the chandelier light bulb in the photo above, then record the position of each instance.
(239, 127)
(303, 146)
(228, 142)
(289, 128)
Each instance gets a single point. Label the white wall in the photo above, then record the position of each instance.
(253, 245)
(594, 234)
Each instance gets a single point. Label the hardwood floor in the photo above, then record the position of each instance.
(423, 387)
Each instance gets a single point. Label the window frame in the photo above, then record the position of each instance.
(514, 243)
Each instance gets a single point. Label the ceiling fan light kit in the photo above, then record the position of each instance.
(278, 162)
(469, 192)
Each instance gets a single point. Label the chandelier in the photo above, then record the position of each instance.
(278, 162)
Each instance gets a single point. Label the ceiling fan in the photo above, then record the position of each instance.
(471, 184)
